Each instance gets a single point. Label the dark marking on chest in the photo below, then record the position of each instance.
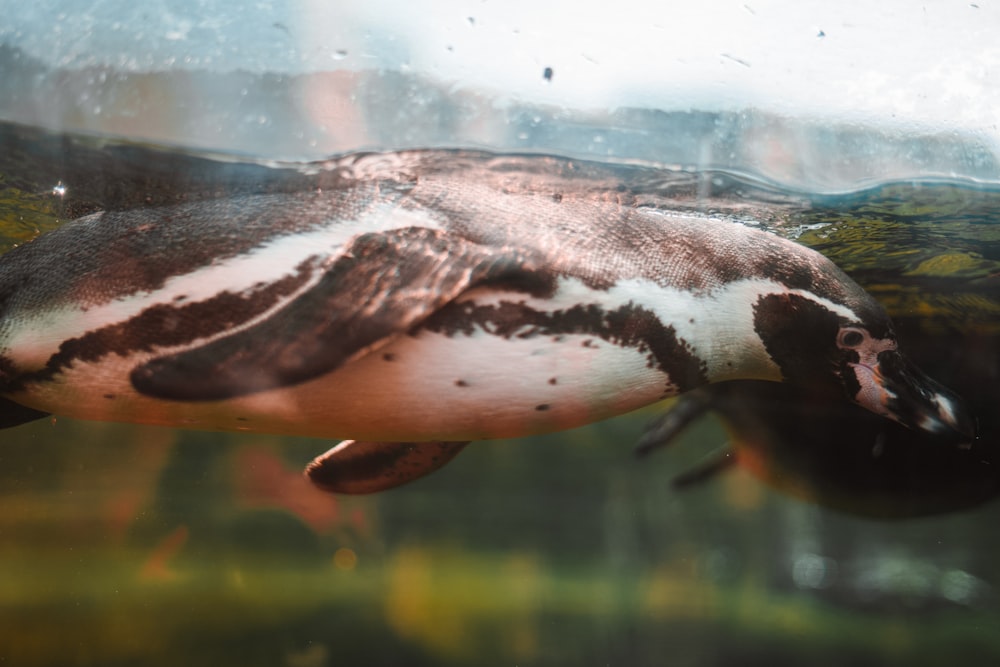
(627, 326)
(799, 336)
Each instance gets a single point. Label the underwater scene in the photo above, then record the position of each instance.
(744, 523)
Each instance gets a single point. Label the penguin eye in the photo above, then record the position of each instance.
(850, 338)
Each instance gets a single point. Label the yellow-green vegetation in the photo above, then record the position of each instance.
(443, 603)
(956, 265)
(934, 231)
(924, 252)
(23, 216)
(937, 312)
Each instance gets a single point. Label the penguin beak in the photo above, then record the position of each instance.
(895, 388)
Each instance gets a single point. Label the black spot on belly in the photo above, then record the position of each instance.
(542, 407)
(552, 380)
(629, 326)
(109, 396)
(461, 383)
(388, 356)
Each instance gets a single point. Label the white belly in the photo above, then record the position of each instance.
(420, 387)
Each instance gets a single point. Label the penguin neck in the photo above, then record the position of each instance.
(716, 324)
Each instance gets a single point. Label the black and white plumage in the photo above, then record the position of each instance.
(411, 305)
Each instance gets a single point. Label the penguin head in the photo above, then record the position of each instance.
(851, 349)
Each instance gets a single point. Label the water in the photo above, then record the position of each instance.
(127, 545)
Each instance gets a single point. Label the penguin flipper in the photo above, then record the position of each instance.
(662, 431)
(355, 467)
(381, 286)
(15, 414)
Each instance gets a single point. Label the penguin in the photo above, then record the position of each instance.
(426, 299)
